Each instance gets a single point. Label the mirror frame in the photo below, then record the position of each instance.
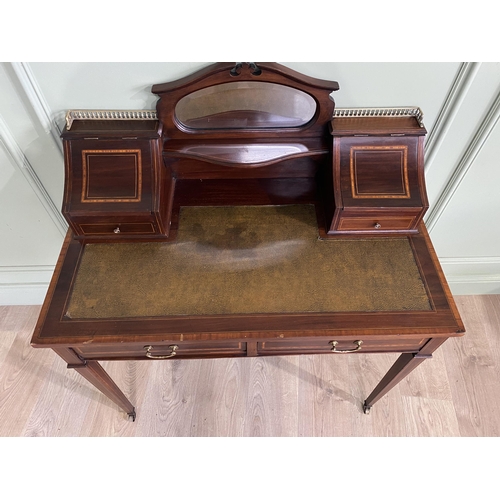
(171, 93)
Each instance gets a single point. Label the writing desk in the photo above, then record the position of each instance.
(237, 245)
(277, 289)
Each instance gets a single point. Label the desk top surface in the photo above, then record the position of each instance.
(247, 269)
(247, 260)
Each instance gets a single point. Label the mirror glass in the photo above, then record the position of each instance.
(245, 105)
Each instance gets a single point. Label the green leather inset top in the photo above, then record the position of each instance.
(251, 259)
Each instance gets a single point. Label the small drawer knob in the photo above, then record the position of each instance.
(116, 230)
(377, 225)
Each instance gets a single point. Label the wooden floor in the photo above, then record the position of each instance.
(457, 393)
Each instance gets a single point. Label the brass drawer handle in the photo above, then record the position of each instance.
(149, 348)
(334, 343)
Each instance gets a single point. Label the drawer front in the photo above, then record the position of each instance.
(116, 229)
(339, 345)
(376, 223)
(164, 350)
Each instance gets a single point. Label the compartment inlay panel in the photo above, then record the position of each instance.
(379, 172)
(101, 169)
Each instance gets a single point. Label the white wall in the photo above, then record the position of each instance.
(461, 106)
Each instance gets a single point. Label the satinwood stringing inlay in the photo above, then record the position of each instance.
(379, 172)
(111, 175)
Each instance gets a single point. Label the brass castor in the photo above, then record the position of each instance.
(366, 408)
(132, 415)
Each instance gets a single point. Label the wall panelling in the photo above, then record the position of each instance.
(460, 102)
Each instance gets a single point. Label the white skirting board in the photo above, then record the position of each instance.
(24, 285)
(472, 275)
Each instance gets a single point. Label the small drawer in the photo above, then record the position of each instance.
(163, 350)
(117, 228)
(374, 223)
(339, 345)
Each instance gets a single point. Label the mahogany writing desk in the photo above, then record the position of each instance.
(240, 225)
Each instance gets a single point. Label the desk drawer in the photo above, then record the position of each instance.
(376, 223)
(343, 344)
(163, 350)
(117, 228)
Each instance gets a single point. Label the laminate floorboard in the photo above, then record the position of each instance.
(455, 394)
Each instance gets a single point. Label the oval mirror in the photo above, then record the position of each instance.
(245, 105)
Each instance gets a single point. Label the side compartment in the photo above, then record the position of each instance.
(116, 184)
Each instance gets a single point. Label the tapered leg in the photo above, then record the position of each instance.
(404, 365)
(97, 376)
